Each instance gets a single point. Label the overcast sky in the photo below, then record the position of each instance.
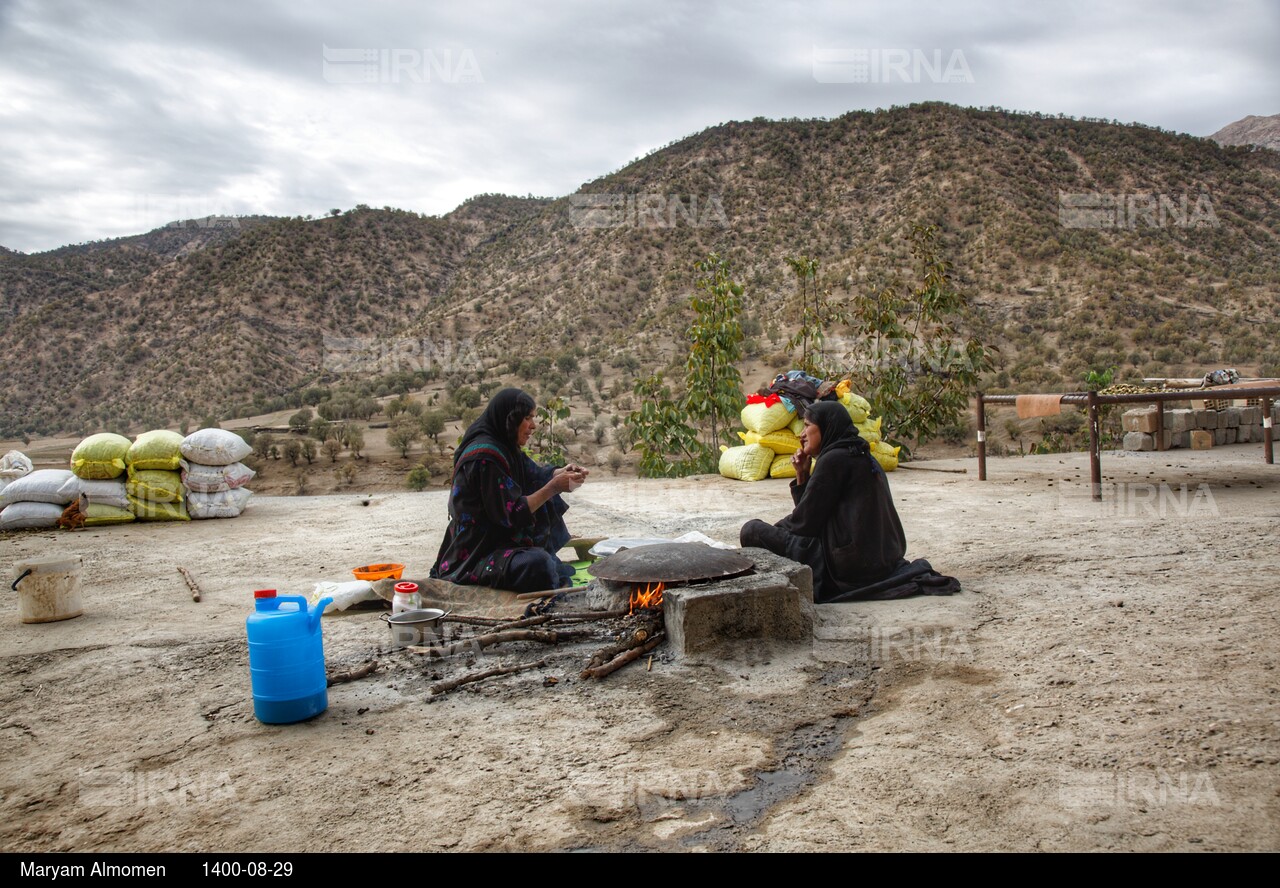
(117, 117)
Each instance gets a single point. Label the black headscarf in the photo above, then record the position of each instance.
(497, 428)
(836, 427)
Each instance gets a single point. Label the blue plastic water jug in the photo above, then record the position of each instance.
(286, 658)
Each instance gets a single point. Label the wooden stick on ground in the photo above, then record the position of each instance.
(191, 583)
(352, 674)
(529, 596)
(446, 686)
(623, 659)
(917, 468)
(483, 641)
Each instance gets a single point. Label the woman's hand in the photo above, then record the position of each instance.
(800, 462)
(569, 478)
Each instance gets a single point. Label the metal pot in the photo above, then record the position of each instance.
(421, 626)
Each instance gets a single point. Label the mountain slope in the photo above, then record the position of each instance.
(1184, 276)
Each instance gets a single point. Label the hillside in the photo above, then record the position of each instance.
(1252, 130)
(129, 334)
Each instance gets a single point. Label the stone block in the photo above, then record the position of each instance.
(1179, 421)
(1201, 439)
(1206, 419)
(1232, 415)
(1250, 416)
(1167, 437)
(773, 603)
(1229, 435)
(1244, 435)
(1139, 441)
(1142, 420)
(1219, 437)
(1182, 439)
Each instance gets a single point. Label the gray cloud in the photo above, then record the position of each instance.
(114, 115)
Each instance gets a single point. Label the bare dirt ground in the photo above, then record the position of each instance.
(1107, 680)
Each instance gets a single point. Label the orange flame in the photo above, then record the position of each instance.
(648, 598)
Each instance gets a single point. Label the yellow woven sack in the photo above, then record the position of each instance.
(843, 388)
(149, 511)
(885, 455)
(750, 462)
(763, 420)
(857, 406)
(797, 426)
(156, 450)
(780, 442)
(100, 457)
(154, 486)
(782, 467)
(749, 437)
(869, 431)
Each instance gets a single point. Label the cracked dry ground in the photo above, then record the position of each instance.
(1106, 681)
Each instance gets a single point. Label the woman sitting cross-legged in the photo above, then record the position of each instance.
(505, 510)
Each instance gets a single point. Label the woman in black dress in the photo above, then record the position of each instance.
(844, 525)
(505, 511)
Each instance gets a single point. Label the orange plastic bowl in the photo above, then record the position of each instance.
(378, 571)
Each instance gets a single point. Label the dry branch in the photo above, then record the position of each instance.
(352, 674)
(446, 686)
(191, 583)
(623, 659)
(545, 636)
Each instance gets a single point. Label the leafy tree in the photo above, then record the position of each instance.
(353, 437)
(403, 435)
(433, 424)
(713, 386)
(549, 442)
(301, 420)
(658, 429)
(332, 449)
(292, 451)
(918, 370)
(817, 314)
(418, 478)
(308, 445)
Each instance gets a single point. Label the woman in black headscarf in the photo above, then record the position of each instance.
(505, 511)
(844, 525)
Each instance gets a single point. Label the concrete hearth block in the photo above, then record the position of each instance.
(1179, 421)
(1250, 416)
(1201, 439)
(1139, 441)
(1205, 419)
(1232, 415)
(1230, 435)
(773, 603)
(1140, 420)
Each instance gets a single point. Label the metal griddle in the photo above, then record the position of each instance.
(671, 563)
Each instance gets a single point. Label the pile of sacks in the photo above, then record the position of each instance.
(772, 435)
(160, 476)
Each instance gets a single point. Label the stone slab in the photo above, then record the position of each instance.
(1140, 420)
(1201, 439)
(1139, 441)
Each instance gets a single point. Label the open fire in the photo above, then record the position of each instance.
(646, 597)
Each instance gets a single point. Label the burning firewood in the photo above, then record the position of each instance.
(623, 659)
(637, 637)
(446, 686)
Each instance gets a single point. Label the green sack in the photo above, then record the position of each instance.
(100, 457)
(96, 514)
(154, 486)
(156, 450)
(148, 511)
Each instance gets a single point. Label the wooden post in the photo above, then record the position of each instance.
(982, 438)
(1095, 443)
(1266, 431)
